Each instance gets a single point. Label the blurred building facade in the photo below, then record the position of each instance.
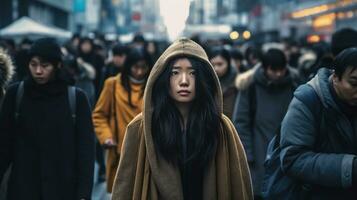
(270, 20)
(49, 12)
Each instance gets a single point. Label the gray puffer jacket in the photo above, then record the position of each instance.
(320, 152)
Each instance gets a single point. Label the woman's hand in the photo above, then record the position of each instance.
(109, 143)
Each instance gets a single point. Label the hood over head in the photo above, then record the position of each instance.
(320, 83)
(181, 47)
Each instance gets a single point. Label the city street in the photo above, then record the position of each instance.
(196, 99)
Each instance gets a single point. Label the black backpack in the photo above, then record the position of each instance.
(276, 184)
(71, 100)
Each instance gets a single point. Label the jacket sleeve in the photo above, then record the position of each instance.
(123, 187)
(7, 130)
(242, 122)
(85, 147)
(242, 183)
(102, 111)
(298, 134)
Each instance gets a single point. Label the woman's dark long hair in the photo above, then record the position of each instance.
(204, 122)
(134, 56)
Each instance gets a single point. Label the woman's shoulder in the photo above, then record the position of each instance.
(134, 130)
(112, 79)
(137, 122)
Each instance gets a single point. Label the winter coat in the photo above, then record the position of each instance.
(257, 120)
(6, 73)
(320, 152)
(52, 157)
(105, 124)
(142, 174)
(229, 91)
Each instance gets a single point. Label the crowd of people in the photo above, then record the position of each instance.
(188, 120)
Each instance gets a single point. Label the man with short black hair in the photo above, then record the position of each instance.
(320, 151)
(46, 132)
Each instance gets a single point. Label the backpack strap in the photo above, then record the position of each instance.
(72, 102)
(308, 96)
(19, 95)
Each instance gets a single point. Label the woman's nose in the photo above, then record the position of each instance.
(184, 79)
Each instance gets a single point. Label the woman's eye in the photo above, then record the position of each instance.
(174, 72)
(193, 73)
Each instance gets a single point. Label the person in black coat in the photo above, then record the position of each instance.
(51, 153)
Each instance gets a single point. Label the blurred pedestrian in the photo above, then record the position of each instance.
(138, 41)
(119, 102)
(221, 61)
(6, 73)
(116, 64)
(87, 54)
(181, 146)
(152, 48)
(260, 109)
(253, 58)
(46, 133)
(252, 55)
(21, 59)
(318, 141)
(237, 60)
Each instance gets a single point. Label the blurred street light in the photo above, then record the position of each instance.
(234, 35)
(313, 39)
(247, 35)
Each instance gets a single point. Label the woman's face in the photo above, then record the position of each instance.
(220, 65)
(182, 81)
(139, 70)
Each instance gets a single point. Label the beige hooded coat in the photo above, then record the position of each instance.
(144, 175)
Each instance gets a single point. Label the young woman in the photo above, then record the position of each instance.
(182, 146)
(221, 61)
(46, 133)
(120, 101)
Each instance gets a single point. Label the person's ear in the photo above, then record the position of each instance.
(59, 65)
(335, 79)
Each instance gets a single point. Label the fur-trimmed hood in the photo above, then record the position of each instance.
(6, 69)
(244, 80)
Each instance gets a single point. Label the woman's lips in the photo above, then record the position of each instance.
(184, 92)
